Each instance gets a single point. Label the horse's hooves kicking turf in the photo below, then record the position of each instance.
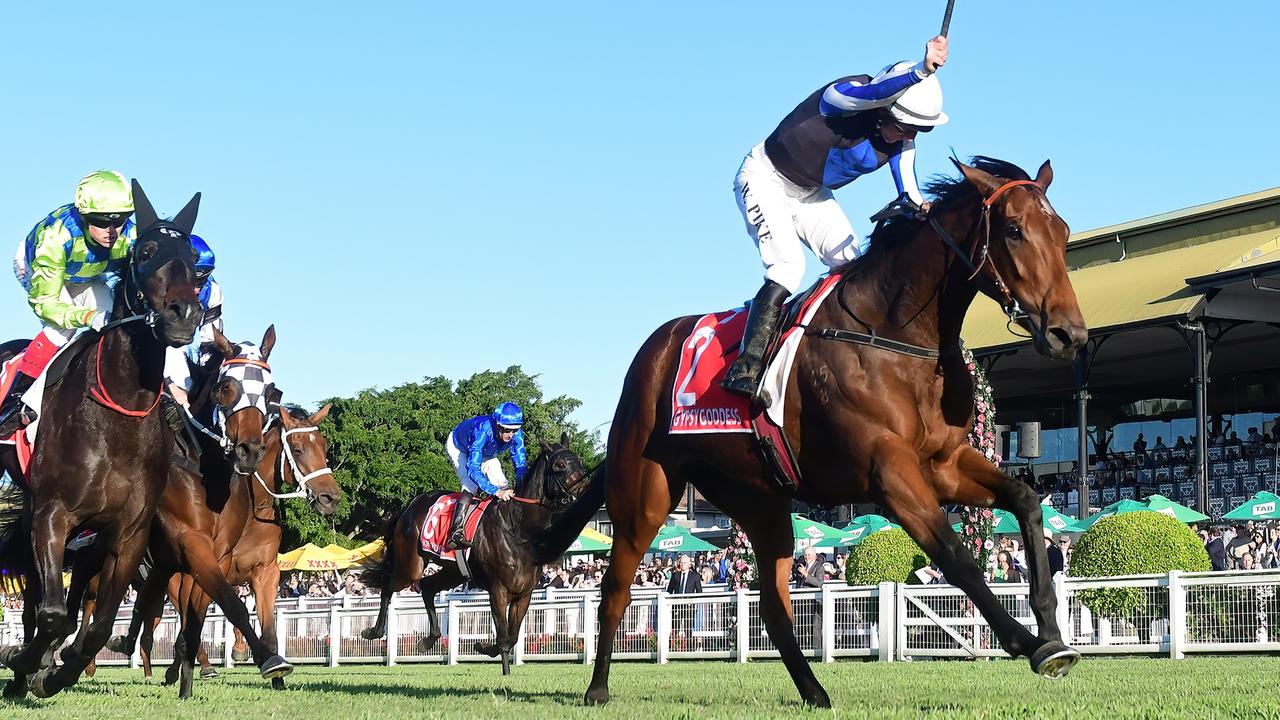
(275, 667)
(1054, 660)
(15, 689)
(38, 685)
(117, 644)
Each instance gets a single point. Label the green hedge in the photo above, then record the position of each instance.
(886, 556)
(1136, 543)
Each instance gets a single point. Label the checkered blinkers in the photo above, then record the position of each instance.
(254, 377)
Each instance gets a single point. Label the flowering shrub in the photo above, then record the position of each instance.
(743, 573)
(975, 522)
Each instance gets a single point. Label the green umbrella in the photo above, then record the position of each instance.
(590, 541)
(1154, 503)
(864, 525)
(815, 533)
(1004, 522)
(1263, 506)
(673, 538)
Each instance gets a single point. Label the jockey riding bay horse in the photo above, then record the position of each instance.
(503, 558)
(102, 456)
(866, 423)
(296, 454)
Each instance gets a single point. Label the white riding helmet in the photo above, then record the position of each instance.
(921, 104)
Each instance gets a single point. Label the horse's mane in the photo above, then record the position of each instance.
(944, 191)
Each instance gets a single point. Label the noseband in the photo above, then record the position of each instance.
(286, 454)
(564, 497)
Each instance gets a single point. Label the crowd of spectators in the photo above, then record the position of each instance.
(1246, 546)
(322, 585)
(712, 568)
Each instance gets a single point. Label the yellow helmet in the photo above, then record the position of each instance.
(104, 192)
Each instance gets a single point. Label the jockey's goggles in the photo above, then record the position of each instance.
(508, 428)
(103, 220)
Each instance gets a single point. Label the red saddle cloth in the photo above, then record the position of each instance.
(19, 440)
(435, 530)
(698, 403)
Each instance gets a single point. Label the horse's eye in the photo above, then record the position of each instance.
(1013, 233)
(558, 465)
(148, 249)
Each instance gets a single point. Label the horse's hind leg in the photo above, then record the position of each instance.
(896, 471)
(774, 545)
(639, 498)
(981, 483)
(448, 577)
(17, 687)
(114, 579)
(49, 528)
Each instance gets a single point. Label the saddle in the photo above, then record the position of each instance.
(435, 529)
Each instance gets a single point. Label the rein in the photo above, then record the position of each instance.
(1009, 305)
(98, 390)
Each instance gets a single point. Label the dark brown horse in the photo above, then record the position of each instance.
(503, 559)
(204, 517)
(102, 457)
(866, 424)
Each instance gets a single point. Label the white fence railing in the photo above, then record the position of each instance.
(1174, 614)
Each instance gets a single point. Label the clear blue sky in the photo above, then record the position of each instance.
(418, 189)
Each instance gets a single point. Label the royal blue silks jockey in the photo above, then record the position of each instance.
(474, 448)
(177, 373)
(844, 130)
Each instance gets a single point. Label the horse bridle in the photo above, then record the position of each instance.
(133, 286)
(220, 437)
(286, 453)
(564, 496)
(1008, 304)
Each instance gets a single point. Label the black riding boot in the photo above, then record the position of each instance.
(12, 410)
(458, 528)
(743, 377)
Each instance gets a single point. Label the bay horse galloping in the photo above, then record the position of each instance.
(505, 554)
(296, 454)
(102, 456)
(866, 424)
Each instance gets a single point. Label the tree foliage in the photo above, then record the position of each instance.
(887, 556)
(388, 446)
(1135, 543)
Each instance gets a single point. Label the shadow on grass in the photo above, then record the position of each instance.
(436, 693)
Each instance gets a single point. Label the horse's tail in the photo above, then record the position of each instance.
(555, 540)
(377, 574)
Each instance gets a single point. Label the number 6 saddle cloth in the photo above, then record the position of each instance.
(435, 529)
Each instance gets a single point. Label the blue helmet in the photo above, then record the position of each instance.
(508, 415)
(205, 259)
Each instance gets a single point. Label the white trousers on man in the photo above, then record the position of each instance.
(783, 218)
(492, 468)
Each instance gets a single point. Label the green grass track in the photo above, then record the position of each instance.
(1235, 687)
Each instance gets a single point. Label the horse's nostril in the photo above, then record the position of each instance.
(1060, 337)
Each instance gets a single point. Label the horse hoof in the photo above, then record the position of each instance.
(171, 674)
(8, 653)
(596, 696)
(1054, 660)
(492, 651)
(817, 698)
(425, 644)
(208, 673)
(275, 667)
(371, 633)
(118, 644)
(240, 655)
(277, 683)
(16, 689)
(41, 686)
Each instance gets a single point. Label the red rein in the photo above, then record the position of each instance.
(99, 392)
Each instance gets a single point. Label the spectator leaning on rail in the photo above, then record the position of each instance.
(474, 448)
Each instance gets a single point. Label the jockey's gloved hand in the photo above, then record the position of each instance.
(98, 319)
(935, 54)
(505, 494)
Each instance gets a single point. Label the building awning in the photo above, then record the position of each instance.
(1135, 291)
